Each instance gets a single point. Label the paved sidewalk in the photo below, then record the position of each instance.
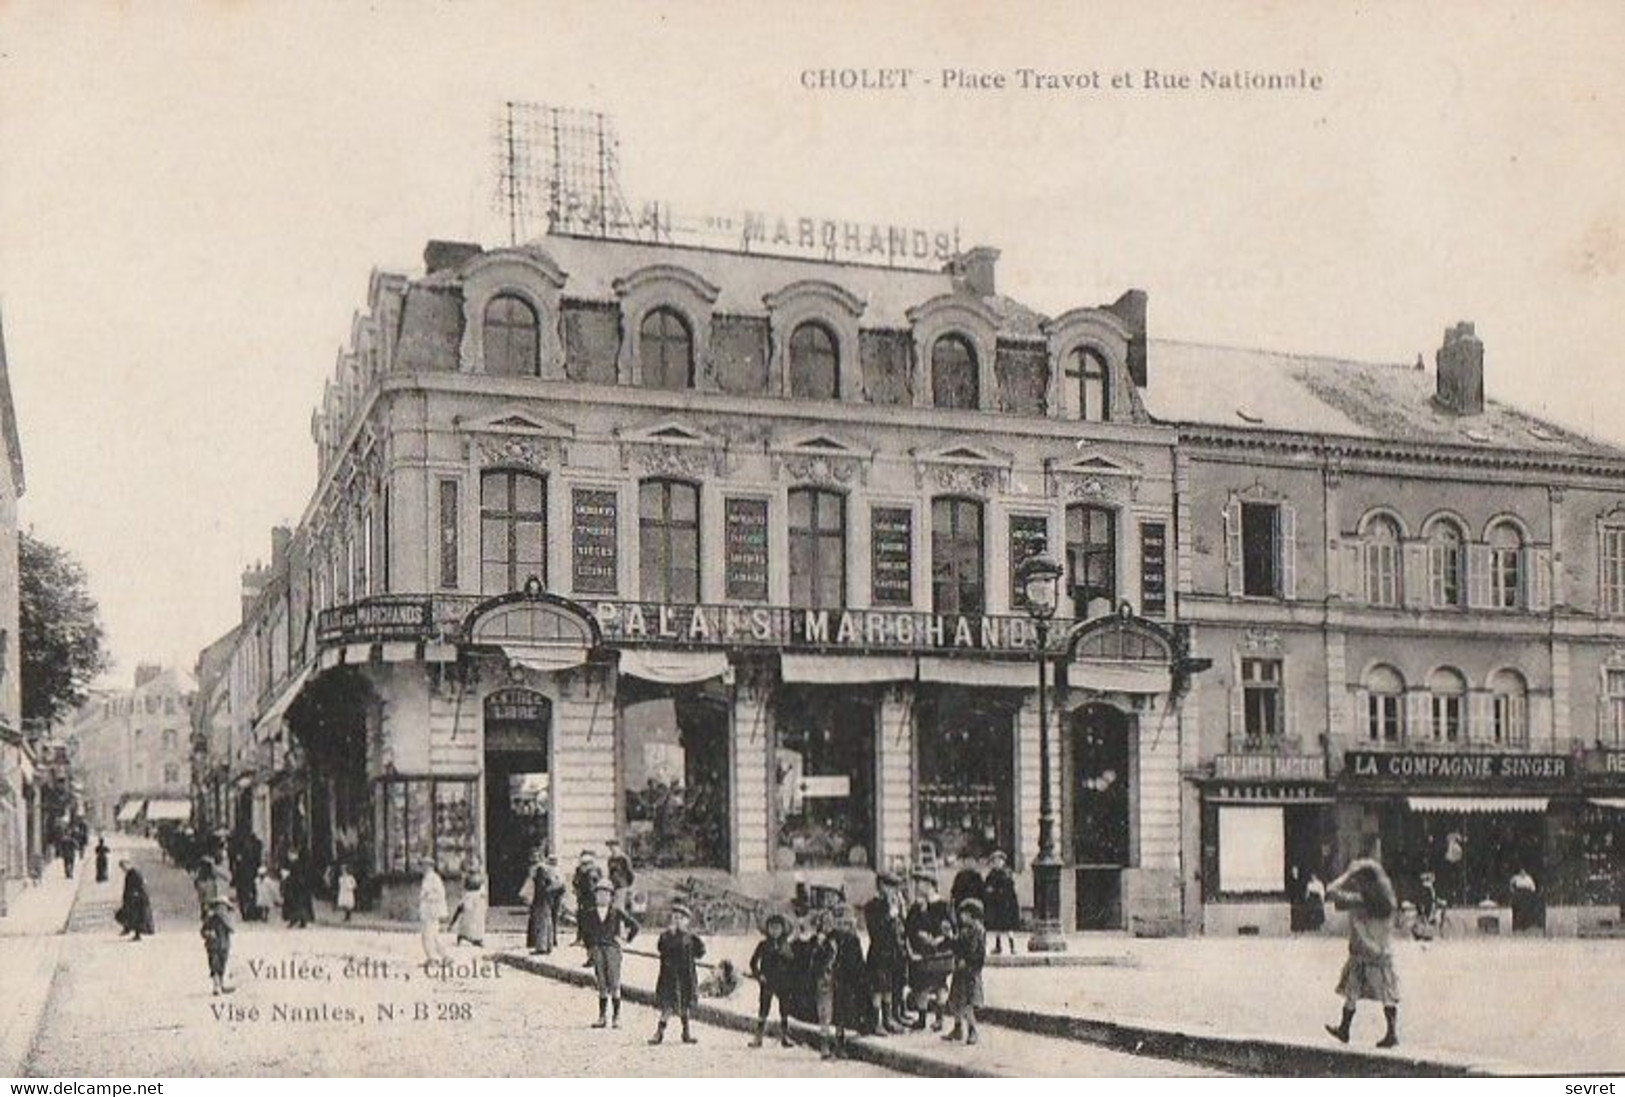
(30, 947)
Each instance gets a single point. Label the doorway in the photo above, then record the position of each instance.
(518, 788)
(1100, 792)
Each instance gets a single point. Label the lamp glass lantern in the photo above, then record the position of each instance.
(1039, 577)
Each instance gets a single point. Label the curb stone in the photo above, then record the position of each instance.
(862, 1048)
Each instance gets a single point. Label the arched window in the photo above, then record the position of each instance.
(953, 373)
(513, 530)
(669, 540)
(1382, 580)
(1509, 720)
(1089, 379)
(1506, 566)
(512, 339)
(956, 556)
(815, 363)
(1447, 565)
(817, 548)
(666, 351)
(1091, 559)
(1448, 690)
(1385, 705)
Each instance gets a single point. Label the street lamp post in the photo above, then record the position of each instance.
(1039, 578)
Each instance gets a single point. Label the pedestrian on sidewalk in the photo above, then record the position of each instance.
(431, 910)
(468, 921)
(298, 900)
(68, 850)
(267, 895)
(209, 885)
(677, 987)
(583, 888)
(888, 952)
(101, 859)
(970, 953)
(1002, 905)
(344, 897)
(968, 884)
(216, 934)
(822, 961)
(930, 929)
(852, 997)
(135, 911)
(618, 867)
(1366, 893)
(603, 926)
(772, 965)
(542, 893)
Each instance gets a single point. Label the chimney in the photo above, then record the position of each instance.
(253, 584)
(441, 254)
(146, 672)
(1460, 378)
(281, 538)
(1130, 308)
(972, 271)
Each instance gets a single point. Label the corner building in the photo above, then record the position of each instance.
(714, 553)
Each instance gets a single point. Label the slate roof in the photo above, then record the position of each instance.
(1241, 389)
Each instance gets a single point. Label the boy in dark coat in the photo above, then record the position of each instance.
(968, 884)
(603, 926)
(618, 867)
(1002, 905)
(678, 984)
(773, 966)
(216, 934)
(929, 925)
(822, 958)
(583, 884)
(888, 952)
(970, 953)
(852, 1006)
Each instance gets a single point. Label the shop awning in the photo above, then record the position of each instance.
(1478, 805)
(1615, 802)
(160, 811)
(674, 668)
(545, 658)
(269, 722)
(978, 672)
(1120, 677)
(845, 668)
(131, 809)
(397, 651)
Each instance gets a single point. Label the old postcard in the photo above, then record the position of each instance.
(811, 540)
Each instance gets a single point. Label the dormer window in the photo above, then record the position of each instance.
(815, 363)
(954, 374)
(666, 351)
(512, 338)
(1088, 378)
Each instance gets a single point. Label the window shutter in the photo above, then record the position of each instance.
(1238, 714)
(1289, 708)
(1537, 570)
(1359, 729)
(1353, 586)
(1603, 713)
(1232, 545)
(1478, 576)
(1418, 726)
(1414, 565)
(1289, 551)
(1480, 716)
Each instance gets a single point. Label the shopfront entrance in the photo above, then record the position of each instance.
(1100, 791)
(965, 758)
(518, 787)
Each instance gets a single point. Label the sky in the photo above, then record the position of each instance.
(193, 195)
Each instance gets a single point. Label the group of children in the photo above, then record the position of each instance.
(928, 952)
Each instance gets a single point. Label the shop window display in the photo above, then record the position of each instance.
(824, 782)
(966, 776)
(675, 781)
(422, 817)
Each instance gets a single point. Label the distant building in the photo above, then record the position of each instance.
(132, 750)
(19, 820)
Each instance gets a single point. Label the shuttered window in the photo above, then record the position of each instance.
(1611, 560)
(1382, 583)
(1447, 566)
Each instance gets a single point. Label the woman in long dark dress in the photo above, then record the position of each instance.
(298, 907)
(135, 912)
(546, 891)
(101, 859)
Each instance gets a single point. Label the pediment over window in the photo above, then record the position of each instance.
(965, 453)
(668, 432)
(650, 278)
(1092, 463)
(820, 456)
(821, 442)
(516, 420)
(963, 468)
(815, 291)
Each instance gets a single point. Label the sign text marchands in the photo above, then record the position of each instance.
(775, 626)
